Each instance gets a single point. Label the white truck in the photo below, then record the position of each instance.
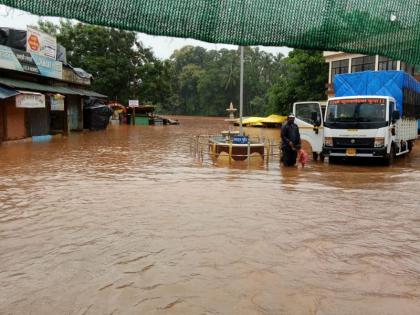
(309, 118)
(358, 126)
(367, 126)
(376, 126)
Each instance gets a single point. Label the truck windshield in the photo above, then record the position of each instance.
(356, 111)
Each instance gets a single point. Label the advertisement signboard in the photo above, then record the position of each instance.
(41, 43)
(23, 61)
(30, 100)
(133, 103)
(48, 67)
(57, 102)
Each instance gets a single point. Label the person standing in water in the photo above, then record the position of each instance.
(290, 141)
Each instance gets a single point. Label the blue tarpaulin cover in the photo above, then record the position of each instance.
(380, 83)
(6, 93)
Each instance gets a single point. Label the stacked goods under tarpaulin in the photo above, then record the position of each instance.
(95, 114)
(13, 38)
(385, 27)
(397, 84)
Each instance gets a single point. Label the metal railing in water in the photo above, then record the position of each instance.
(206, 148)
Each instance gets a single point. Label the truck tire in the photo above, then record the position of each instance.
(389, 158)
(410, 145)
(333, 159)
(322, 157)
(315, 156)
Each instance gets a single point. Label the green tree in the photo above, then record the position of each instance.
(188, 83)
(187, 55)
(194, 81)
(304, 79)
(216, 78)
(121, 66)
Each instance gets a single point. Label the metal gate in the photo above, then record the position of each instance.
(38, 122)
(74, 112)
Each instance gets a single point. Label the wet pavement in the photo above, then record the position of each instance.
(127, 222)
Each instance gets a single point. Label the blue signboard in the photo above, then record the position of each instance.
(240, 140)
(23, 61)
(48, 67)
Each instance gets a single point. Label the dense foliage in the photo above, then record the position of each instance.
(194, 81)
(304, 79)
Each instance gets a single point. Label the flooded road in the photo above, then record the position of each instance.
(126, 222)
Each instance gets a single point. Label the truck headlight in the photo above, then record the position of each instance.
(328, 141)
(379, 142)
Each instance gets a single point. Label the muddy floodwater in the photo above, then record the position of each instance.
(125, 221)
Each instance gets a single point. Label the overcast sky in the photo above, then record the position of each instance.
(162, 46)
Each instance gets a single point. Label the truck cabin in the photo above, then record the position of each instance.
(361, 112)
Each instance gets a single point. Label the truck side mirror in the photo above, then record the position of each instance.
(395, 116)
(315, 120)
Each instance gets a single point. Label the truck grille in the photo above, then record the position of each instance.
(353, 142)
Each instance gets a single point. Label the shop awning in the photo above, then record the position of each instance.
(6, 93)
(83, 92)
(32, 86)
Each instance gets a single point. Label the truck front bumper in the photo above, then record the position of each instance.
(360, 152)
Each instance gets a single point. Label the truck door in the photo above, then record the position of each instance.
(310, 122)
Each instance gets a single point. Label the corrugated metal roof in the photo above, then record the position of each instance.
(13, 83)
(26, 85)
(6, 93)
(88, 93)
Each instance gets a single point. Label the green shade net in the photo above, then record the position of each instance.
(385, 27)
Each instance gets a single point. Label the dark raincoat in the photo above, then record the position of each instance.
(290, 133)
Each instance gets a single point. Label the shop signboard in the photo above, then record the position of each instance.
(23, 61)
(41, 43)
(30, 100)
(133, 103)
(57, 102)
(48, 67)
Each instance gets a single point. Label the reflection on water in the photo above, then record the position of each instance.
(126, 222)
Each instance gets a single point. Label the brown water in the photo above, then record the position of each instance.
(126, 222)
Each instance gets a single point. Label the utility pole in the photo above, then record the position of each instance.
(241, 96)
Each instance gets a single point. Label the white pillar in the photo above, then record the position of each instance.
(241, 96)
(330, 72)
(350, 60)
(376, 62)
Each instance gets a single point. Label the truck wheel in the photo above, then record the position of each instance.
(410, 146)
(315, 156)
(322, 157)
(333, 159)
(389, 158)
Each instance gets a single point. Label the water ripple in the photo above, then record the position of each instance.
(125, 221)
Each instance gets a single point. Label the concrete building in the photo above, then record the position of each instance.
(39, 95)
(340, 62)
